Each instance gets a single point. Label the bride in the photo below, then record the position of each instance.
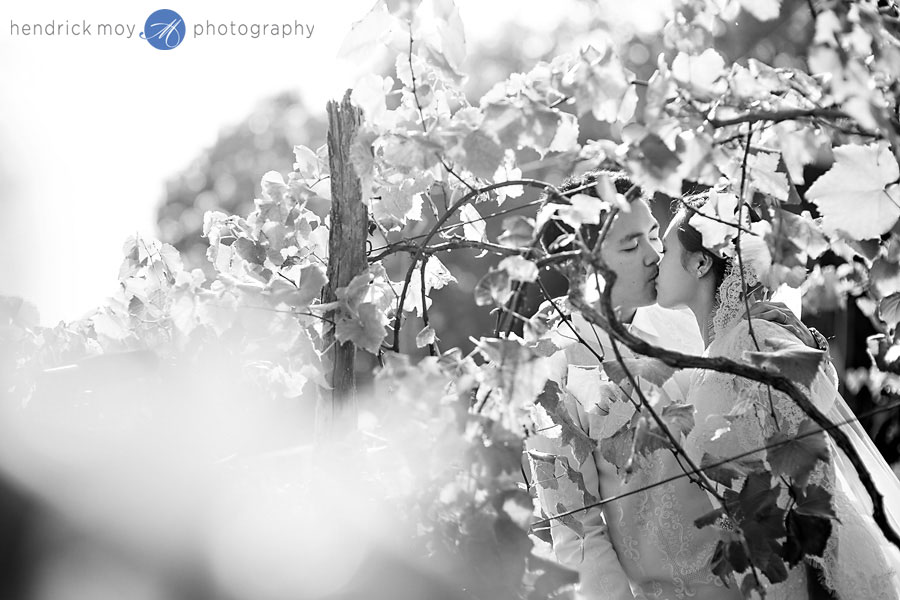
(735, 415)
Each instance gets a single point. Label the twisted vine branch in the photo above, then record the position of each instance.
(606, 318)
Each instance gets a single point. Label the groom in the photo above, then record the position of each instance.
(624, 548)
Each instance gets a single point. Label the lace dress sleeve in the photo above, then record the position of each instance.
(735, 415)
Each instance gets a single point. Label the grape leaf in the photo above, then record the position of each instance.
(425, 337)
(617, 449)
(884, 276)
(607, 416)
(493, 288)
(889, 309)
(482, 154)
(601, 85)
(366, 330)
(577, 479)
(550, 399)
(717, 234)
(797, 363)
(647, 368)
(566, 138)
(312, 278)
(517, 232)
(374, 28)
(362, 156)
(569, 520)
(250, 251)
(451, 31)
(472, 223)
(679, 418)
(814, 501)
(797, 457)
(763, 10)
(804, 233)
(800, 146)
(657, 156)
(859, 194)
(517, 505)
(755, 248)
(807, 535)
(396, 206)
(756, 495)
(737, 554)
(519, 269)
(582, 210)
(701, 75)
(775, 569)
(719, 564)
(351, 295)
(648, 437)
(762, 522)
(764, 176)
(369, 94)
(727, 472)
(751, 584)
(543, 464)
(709, 518)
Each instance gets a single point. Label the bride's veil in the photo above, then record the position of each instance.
(883, 476)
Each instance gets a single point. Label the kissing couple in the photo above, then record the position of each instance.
(643, 540)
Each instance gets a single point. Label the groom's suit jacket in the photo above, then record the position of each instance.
(609, 563)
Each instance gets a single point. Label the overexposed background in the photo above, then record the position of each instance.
(90, 128)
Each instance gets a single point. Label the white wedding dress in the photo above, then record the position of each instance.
(645, 545)
(733, 415)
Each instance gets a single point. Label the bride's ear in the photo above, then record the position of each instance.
(703, 263)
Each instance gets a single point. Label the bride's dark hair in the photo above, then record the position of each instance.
(691, 239)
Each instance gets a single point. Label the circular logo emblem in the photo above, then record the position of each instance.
(164, 29)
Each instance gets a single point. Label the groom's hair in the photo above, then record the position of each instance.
(555, 235)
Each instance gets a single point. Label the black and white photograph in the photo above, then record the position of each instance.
(450, 300)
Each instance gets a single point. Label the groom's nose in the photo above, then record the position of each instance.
(652, 256)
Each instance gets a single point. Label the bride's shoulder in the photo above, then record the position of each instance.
(745, 335)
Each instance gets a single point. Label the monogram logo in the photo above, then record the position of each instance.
(164, 29)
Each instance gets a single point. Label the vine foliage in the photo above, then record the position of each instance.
(435, 167)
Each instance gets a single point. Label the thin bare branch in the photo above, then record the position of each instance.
(780, 115)
(440, 222)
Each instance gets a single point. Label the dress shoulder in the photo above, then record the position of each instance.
(741, 335)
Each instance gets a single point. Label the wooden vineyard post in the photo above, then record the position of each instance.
(336, 411)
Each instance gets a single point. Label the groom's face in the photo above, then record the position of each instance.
(632, 250)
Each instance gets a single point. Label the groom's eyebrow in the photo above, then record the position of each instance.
(637, 234)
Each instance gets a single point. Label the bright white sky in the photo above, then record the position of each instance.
(90, 128)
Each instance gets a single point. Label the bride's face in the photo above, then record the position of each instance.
(677, 283)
